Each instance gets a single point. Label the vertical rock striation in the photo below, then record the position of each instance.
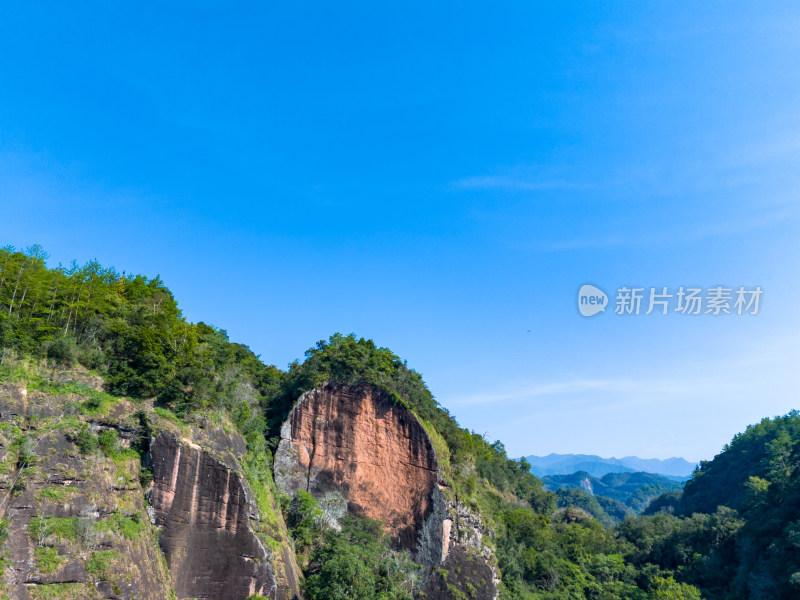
(353, 442)
(354, 446)
(204, 509)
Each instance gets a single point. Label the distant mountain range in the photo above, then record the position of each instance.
(678, 469)
(632, 490)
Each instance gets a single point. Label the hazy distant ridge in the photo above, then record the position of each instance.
(597, 466)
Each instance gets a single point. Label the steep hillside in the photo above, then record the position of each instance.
(352, 446)
(77, 524)
(104, 497)
(607, 511)
(764, 455)
(737, 533)
(540, 551)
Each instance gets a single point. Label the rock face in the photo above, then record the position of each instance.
(354, 447)
(353, 442)
(76, 524)
(205, 509)
(462, 575)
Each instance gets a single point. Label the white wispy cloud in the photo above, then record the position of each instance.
(574, 387)
(762, 218)
(716, 376)
(518, 183)
(724, 162)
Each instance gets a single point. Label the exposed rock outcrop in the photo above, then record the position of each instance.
(358, 444)
(205, 510)
(462, 575)
(354, 442)
(80, 525)
(76, 524)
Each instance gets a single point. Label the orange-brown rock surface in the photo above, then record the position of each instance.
(355, 449)
(353, 442)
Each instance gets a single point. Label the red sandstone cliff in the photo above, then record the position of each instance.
(356, 443)
(353, 447)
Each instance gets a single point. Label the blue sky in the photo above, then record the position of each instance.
(440, 178)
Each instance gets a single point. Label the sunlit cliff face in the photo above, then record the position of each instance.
(353, 441)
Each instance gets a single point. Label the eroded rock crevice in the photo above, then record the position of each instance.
(204, 509)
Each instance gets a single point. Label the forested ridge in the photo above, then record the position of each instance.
(734, 533)
(612, 497)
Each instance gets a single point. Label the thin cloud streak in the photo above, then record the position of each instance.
(703, 231)
(571, 387)
(517, 184)
(711, 379)
(662, 175)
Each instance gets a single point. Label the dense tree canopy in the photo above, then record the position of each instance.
(130, 329)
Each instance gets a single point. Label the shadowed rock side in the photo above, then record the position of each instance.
(354, 449)
(205, 511)
(462, 575)
(65, 511)
(354, 443)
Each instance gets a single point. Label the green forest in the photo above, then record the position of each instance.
(733, 533)
(614, 497)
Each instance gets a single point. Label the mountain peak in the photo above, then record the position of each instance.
(597, 466)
